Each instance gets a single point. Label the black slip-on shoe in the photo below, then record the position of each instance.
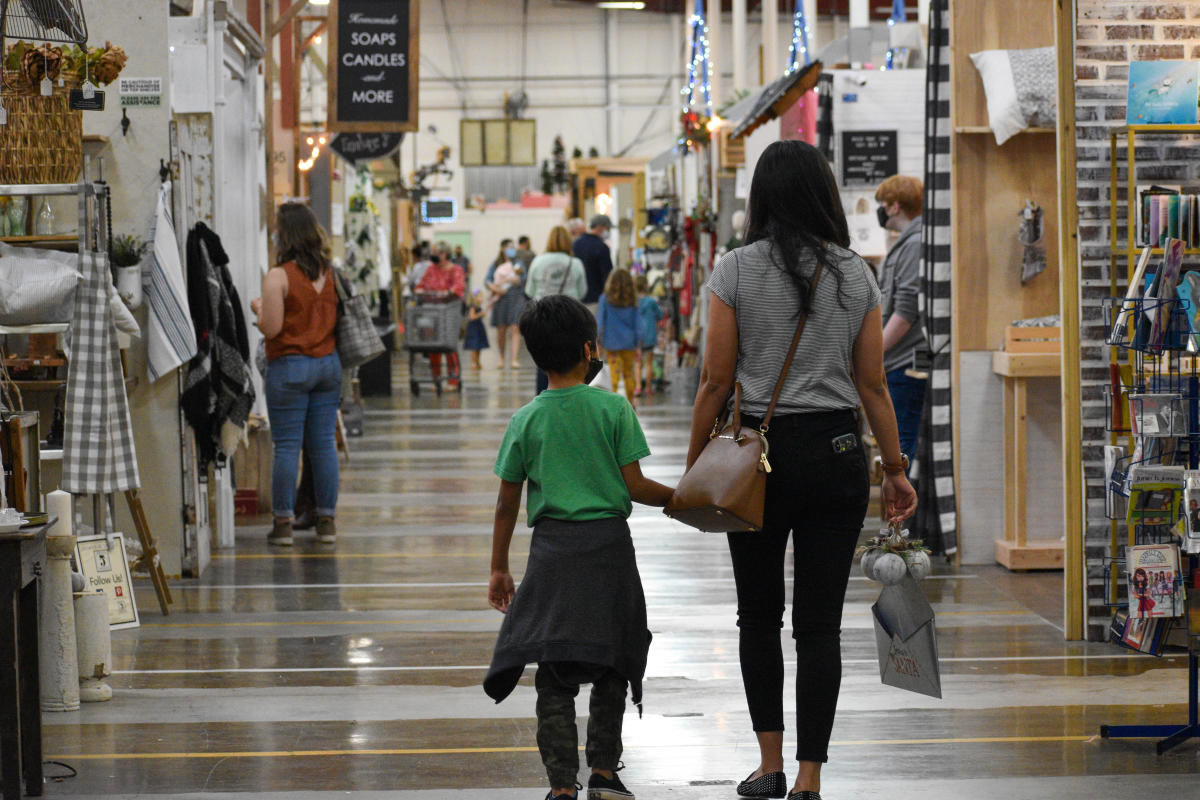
(804, 795)
(773, 785)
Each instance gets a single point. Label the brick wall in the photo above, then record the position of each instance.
(1108, 36)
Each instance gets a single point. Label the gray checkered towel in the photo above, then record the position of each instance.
(98, 450)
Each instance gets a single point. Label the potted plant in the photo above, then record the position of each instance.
(126, 256)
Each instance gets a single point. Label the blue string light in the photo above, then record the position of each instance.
(700, 63)
(800, 32)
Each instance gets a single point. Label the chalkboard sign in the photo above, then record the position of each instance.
(355, 147)
(868, 157)
(373, 65)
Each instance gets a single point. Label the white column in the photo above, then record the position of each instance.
(860, 13)
(771, 60)
(93, 640)
(923, 12)
(738, 50)
(613, 62)
(58, 659)
(810, 14)
(716, 55)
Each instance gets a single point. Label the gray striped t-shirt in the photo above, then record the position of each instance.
(752, 281)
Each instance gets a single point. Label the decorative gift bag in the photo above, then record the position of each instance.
(906, 639)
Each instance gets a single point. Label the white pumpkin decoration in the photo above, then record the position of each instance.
(890, 569)
(918, 564)
(868, 564)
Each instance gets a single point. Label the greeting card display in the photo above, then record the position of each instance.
(1155, 587)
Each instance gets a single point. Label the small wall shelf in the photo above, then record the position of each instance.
(66, 241)
(982, 129)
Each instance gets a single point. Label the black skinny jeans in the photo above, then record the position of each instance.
(820, 495)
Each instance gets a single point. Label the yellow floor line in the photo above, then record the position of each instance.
(250, 556)
(312, 623)
(452, 751)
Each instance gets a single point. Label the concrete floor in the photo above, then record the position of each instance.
(354, 670)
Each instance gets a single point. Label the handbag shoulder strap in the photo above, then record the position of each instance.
(562, 287)
(787, 364)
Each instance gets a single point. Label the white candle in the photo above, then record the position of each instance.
(58, 504)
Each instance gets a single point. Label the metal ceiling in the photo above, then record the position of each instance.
(880, 9)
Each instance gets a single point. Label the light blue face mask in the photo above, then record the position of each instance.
(510, 252)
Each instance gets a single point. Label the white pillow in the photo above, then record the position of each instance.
(36, 290)
(1020, 86)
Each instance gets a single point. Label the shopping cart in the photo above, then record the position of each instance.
(432, 325)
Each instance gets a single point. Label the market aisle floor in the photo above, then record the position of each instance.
(354, 670)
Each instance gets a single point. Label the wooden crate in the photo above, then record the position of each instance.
(1032, 340)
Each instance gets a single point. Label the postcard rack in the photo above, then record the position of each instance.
(1153, 398)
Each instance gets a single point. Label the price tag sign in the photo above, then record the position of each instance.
(373, 57)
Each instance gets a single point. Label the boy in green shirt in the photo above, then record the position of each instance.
(580, 612)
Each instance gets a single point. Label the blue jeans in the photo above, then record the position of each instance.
(302, 402)
(908, 398)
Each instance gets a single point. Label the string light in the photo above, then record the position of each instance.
(700, 64)
(800, 34)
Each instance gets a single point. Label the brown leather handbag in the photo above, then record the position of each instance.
(726, 489)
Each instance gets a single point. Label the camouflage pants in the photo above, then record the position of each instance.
(558, 740)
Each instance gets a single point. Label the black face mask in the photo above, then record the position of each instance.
(882, 215)
(594, 367)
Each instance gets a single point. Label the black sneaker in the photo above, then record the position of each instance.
(772, 784)
(602, 788)
(550, 795)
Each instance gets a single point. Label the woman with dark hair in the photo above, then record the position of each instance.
(796, 260)
(297, 314)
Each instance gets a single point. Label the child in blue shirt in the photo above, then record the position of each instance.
(649, 313)
(620, 333)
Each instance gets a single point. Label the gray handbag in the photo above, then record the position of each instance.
(357, 340)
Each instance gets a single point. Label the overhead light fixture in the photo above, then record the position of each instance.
(614, 5)
(319, 2)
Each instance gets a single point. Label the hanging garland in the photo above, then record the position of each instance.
(799, 48)
(697, 104)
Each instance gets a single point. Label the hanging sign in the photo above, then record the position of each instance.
(355, 147)
(373, 54)
(77, 101)
(868, 157)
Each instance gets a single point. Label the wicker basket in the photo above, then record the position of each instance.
(43, 140)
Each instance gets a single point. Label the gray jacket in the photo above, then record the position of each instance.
(900, 282)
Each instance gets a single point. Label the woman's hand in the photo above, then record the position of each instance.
(500, 591)
(899, 497)
(256, 306)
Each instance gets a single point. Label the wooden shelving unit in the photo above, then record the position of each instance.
(991, 184)
(66, 241)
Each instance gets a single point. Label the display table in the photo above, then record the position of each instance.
(22, 558)
(1017, 366)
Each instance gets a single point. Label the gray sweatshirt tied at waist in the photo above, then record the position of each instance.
(580, 600)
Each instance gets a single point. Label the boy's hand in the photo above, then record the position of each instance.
(500, 591)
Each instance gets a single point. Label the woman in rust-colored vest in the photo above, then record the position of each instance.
(297, 313)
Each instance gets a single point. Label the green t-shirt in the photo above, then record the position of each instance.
(570, 444)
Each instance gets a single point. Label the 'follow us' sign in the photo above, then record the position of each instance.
(373, 65)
